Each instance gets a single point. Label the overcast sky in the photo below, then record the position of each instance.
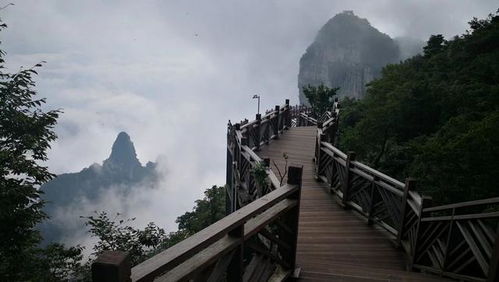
(172, 73)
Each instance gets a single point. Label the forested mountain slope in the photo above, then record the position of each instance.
(435, 116)
(122, 171)
(347, 53)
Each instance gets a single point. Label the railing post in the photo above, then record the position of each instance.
(426, 202)
(268, 131)
(294, 178)
(333, 129)
(229, 181)
(277, 121)
(493, 274)
(334, 133)
(448, 242)
(257, 132)
(287, 116)
(228, 172)
(318, 168)
(332, 187)
(244, 142)
(228, 184)
(241, 173)
(370, 218)
(410, 185)
(235, 270)
(265, 190)
(346, 186)
(317, 158)
(235, 189)
(111, 266)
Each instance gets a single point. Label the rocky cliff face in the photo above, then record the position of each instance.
(347, 53)
(122, 171)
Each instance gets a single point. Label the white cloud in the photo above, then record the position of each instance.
(171, 73)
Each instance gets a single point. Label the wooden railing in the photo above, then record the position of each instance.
(243, 139)
(247, 245)
(256, 241)
(458, 241)
(246, 137)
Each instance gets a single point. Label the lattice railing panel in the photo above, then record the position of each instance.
(393, 205)
(409, 231)
(361, 192)
(459, 240)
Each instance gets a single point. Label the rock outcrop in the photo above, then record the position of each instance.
(122, 171)
(347, 53)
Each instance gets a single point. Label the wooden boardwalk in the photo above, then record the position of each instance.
(334, 244)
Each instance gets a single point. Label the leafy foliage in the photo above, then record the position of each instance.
(26, 131)
(435, 116)
(259, 172)
(206, 211)
(58, 263)
(117, 234)
(320, 98)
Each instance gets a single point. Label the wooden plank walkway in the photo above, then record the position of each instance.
(334, 244)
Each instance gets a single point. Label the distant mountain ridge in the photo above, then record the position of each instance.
(348, 53)
(122, 171)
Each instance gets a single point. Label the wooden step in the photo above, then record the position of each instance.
(364, 275)
(350, 271)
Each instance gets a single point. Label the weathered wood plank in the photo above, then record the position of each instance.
(201, 259)
(462, 217)
(464, 204)
(253, 225)
(329, 235)
(186, 248)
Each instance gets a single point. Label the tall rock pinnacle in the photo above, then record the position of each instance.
(123, 153)
(120, 174)
(347, 53)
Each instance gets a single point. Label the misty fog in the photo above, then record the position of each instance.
(172, 73)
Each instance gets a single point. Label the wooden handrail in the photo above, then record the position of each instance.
(243, 141)
(222, 244)
(335, 150)
(454, 240)
(378, 174)
(481, 215)
(217, 240)
(179, 253)
(464, 204)
(457, 240)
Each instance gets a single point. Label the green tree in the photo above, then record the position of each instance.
(57, 263)
(26, 131)
(434, 45)
(434, 116)
(320, 98)
(206, 211)
(117, 234)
